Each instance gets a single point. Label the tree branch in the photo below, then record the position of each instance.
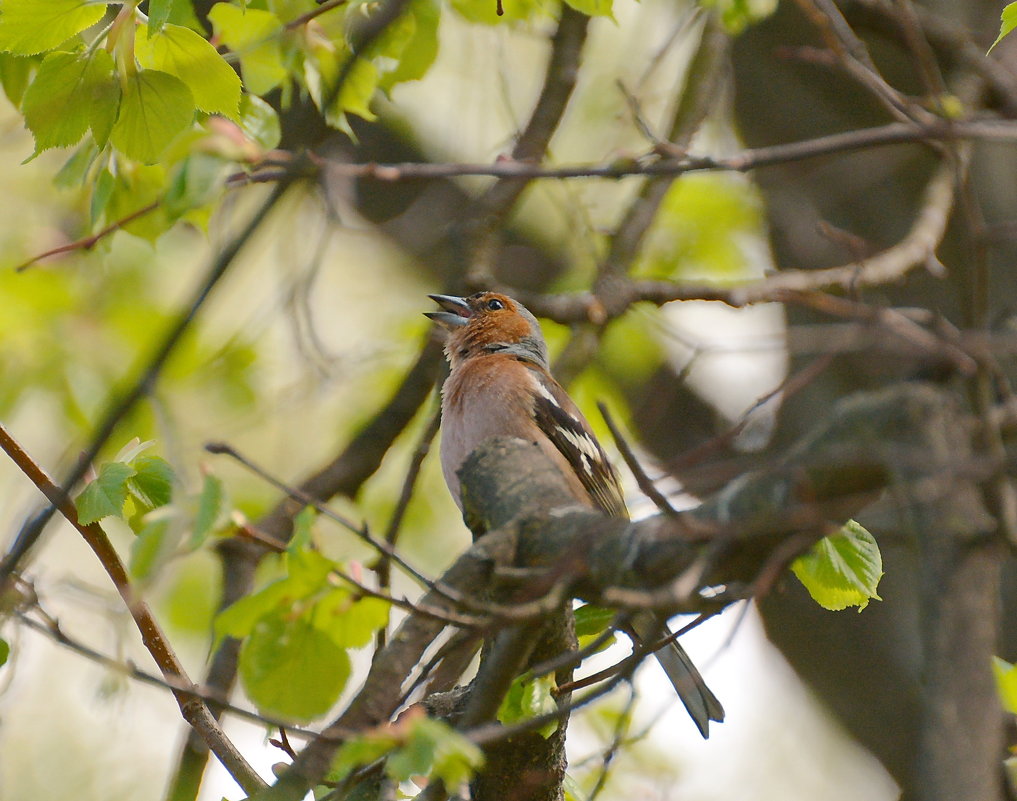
(194, 709)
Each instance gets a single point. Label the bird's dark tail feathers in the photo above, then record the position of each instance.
(701, 703)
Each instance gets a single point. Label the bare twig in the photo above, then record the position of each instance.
(89, 242)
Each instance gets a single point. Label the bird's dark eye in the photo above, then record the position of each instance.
(494, 304)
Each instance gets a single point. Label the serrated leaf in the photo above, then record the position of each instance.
(291, 669)
(1006, 683)
(105, 496)
(184, 54)
(211, 506)
(5, 651)
(350, 624)
(253, 35)
(529, 698)
(158, 14)
(152, 484)
(259, 122)
(1008, 20)
(14, 74)
(154, 109)
(58, 104)
(30, 26)
(843, 569)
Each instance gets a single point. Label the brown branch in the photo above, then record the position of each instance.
(916, 249)
(89, 242)
(745, 161)
(193, 709)
(303, 19)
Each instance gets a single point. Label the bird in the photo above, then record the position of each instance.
(500, 385)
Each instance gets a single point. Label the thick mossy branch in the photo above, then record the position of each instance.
(908, 440)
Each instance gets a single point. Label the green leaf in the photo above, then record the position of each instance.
(150, 548)
(211, 507)
(5, 651)
(184, 54)
(529, 698)
(102, 188)
(196, 181)
(106, 495)
(155, 108)
(105, 107)
(30, 26)
(1008, 21)
(158, 14)
(843, 569)
(14, 74)
(75, 170)
(302, 525)
(593, 8)
(292, 669)
(259, 122)
(435, 749)
(307, 576)
(254, 36)
(418, 53)
(322, 67)
(737, 15)
(59, 104)
(136, 187)
(1006, 683)
(591, 620)
(350, 624)
(359, 751)
(152, 485)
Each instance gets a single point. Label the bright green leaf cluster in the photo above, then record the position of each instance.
(415, 746)
(528, 698)
(146, 480)
(591, 622)
(301, 624)
(843, 569)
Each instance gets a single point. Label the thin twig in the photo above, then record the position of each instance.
(89, 242)
(647, 486)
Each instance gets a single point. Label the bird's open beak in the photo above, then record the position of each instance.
(456, 311)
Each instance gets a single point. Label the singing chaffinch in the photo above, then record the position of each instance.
(500, 385)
